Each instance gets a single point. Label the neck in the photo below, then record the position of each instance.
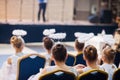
(49, 51)
(60, 64)
(92, 64)
(79, 51)
(18, 51)
(108, 62)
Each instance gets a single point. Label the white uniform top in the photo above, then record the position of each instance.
(89, 68)
(52, 68)
(8, 72)
(48, 58)
(109, 68)
(49, 69)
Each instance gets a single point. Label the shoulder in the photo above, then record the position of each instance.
(48, 56)
(9, 60)
(81, 70)
(48, 69)
(74, 71)
(86, 69)
(108, 67)
(101, 67)
(104, 67)
(114, 66)
(13, 56)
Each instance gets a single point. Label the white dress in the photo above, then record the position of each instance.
(9, 71)
(48, 59)
(49, 69)
(89, 68)
(109, 68)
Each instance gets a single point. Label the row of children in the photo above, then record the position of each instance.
(58, 53)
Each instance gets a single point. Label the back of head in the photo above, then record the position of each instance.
(90, 53)
(79, 46)
(109, 54)
(48, 43)
(59, 52)
(16, 41)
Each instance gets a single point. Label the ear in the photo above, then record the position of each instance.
(84, 57)
(66, 56)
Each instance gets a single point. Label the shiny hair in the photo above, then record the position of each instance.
(48, 43)
(90, 53)
(16, 41)
(59, 52)
(79, 45)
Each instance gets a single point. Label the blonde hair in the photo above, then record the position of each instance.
(16, 41)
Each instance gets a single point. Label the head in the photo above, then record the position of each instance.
(79, 45)
(17, 42)
(90, 53)
(48, 43)
(108, 55)
(59, 53)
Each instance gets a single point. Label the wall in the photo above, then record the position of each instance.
(26, 10)
(2, 9)
(83, 8)
(35, 32)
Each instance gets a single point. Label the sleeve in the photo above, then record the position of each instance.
(75, 72)
(5, 71)
(85, 69)
(34, 77)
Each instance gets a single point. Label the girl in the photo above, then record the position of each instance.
(48, 44)
(9, 68)
(108, 56)
(79, 45)
(59, 55)
(90, 56)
